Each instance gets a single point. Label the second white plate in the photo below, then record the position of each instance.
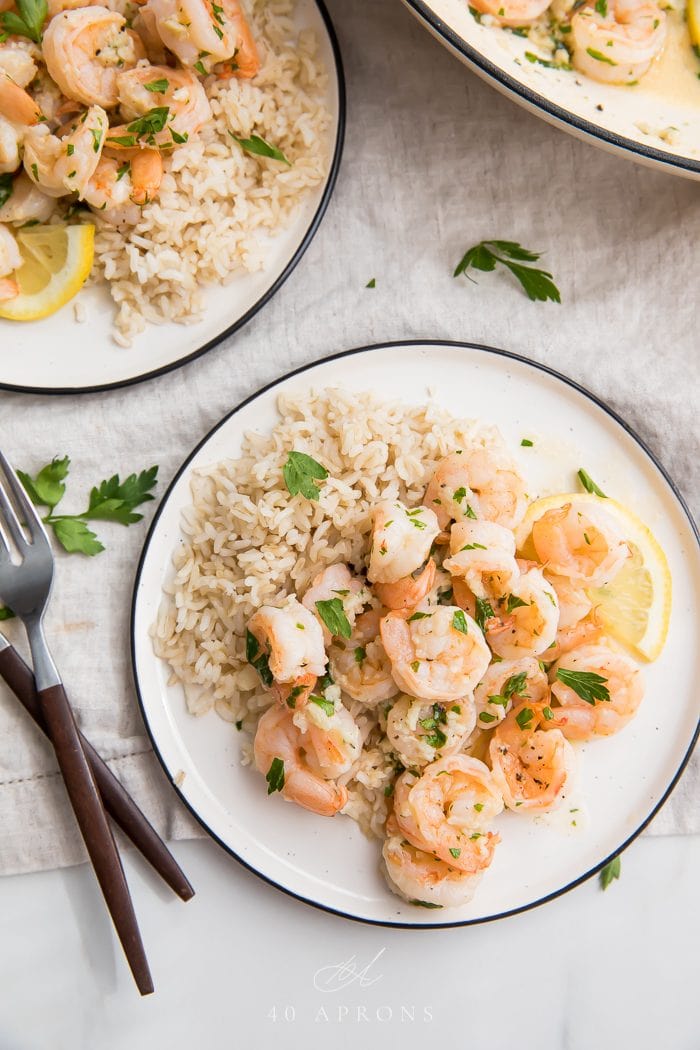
(623, 779)
(58, 356)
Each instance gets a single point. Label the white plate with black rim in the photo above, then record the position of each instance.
(654, 122)
(623, 779)
(59, 356)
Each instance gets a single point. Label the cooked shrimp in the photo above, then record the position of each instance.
(462, 596)
(578, 719)
(417, 876)
(444, 810)
(421, 731)
(336, 582)
(184, 100)
(16, 105)
(585, 632)
(507, 683)
(295, 694)
(26, 203)
(408, 592)
(574, 603)
(85, 49)
(527, 618)
(360, 665)
(532, 768)
(483, 553)
(118, 185)
(201, 32)
(278, 738)
(17, 63)
(10, 260)
(618, 44)
(433, 656)
(293, 639)
(581, 542)
(512, 12)
(333, 741)
(401, 540)
(477, 482)
(10, 158)
(66, 165)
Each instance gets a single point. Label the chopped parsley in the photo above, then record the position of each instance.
(600, 57)
(610, 872)
(275, 776)
(327, 706)
(360, 654)
(158, 86)
(419, 616)
(257, 659)
(259, 147)
(459, 622)
(372, 283)
(301, 472)
(472, 547)
(524, 717)
(333, 615)
(483, 612)
(526, 443)
(586, 684)
(589, 484)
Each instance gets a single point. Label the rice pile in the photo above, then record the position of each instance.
(217, 204)
(247, 543)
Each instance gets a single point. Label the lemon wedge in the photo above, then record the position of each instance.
(56, 262)
(635, 607)
(693, 16)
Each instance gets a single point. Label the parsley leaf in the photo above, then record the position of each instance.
(483, 612)
(418, 616)
(6, 187)
(275, 776)
(327, 706)
(600, 57)
(610, 872)
(115, 500)
(459, 621)
(47, 488)
(150, 123)
(301, 473)
(586, 684)
(589, 484)
(524, 717)
(75, 537)
(485, 256)
(5, 613)
(27, 20)
(513, 602)
(425, 904)
(259, 662)
(372, 283)
(333, 615)
(515, 685)
(260, 148)
(360, 654)
(158, 86)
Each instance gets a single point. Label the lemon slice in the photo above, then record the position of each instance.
(56, 262)
(693, 16)
(636, 607)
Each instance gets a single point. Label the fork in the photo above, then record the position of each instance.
(25, 586)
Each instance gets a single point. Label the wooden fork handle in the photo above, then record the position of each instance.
(94, 827)
(117, 801)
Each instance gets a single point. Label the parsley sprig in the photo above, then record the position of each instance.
(27, 20)
(111, 500)
(486, 255)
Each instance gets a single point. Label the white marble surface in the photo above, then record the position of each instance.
(589, 971)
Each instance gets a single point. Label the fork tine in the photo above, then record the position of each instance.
(32, 519)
